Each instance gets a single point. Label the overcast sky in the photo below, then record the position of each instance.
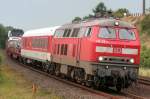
(31, 14)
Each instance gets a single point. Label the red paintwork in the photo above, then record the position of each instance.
(84, 48)
(88, 46)
(73, 46)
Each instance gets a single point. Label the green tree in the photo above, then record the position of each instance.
(145, 57)
(87, 17)
(145, 24)
(3, 36)
(76, 19)
(100, 9)
(148, 10)
(9, 28)
(120, 12)
(0, 59)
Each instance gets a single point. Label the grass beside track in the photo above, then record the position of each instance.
(13, 85)
(144, 72)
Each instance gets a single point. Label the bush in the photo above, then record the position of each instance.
(145, 24)
(3, 36)
(0, 59)
(120, 12)
(145, 57)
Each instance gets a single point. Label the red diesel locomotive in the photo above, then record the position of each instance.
(13, 44)
(13, 47)
(100, 52)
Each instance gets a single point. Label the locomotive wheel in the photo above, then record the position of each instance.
(79, 75)
(89, 81)
(20, 59)
(88, 84)
(24, 61)
(118, 87)
(78, 80)
(45, 67)
(119, 84)
(57, 70)
(72, 76)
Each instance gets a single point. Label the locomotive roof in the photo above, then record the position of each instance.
(41, 32)
(101, 22)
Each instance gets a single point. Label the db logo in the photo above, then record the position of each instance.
(117, 50)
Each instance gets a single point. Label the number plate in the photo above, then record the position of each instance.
(117, 50)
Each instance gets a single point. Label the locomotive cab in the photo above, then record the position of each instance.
(116, 53)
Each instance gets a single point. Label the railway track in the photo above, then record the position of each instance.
(132, 95)
(97, 92)
(144, 80)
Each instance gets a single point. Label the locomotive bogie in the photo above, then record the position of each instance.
(130, 73)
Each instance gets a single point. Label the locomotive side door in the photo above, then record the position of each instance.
(79, 44)
(85, 44)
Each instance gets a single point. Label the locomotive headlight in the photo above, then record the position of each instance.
(100, 58)
(131, 60)
(116, 23)
(124, 68)
(107, 67)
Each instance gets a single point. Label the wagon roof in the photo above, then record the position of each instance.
(41, 32)
(14, 38)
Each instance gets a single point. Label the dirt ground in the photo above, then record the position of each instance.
(50, 85)
(49, 88)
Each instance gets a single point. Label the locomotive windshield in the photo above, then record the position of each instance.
(110, 33)
(107, 32)
(126, 34)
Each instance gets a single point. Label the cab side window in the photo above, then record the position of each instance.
(88, 31)
(67, 33)
(59, 33)
(75, 32)
(82, 32)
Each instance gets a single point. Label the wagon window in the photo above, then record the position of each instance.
(40, 43)
(62, 49)
(88, 31)
(65, 49)
(33, 43)
(59, 33)
(67, 33)
(107, 32)
(43, 43)
(58, 47)
(46, 42)
(56, 33)
(26, 42)
(126, 34)
(75, 32)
